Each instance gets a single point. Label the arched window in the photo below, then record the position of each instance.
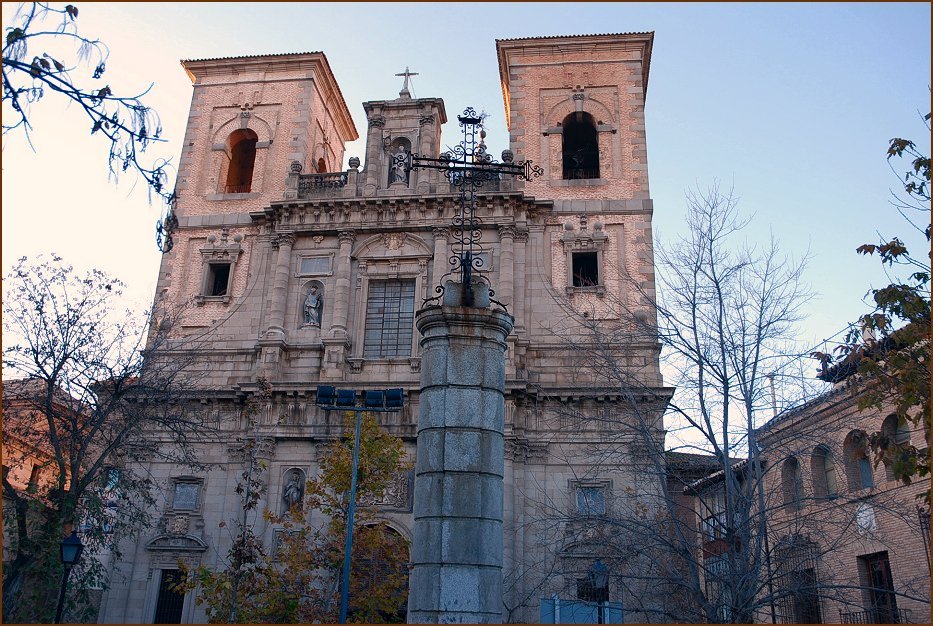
(580, 146)
(241, 146)
(857, 463)
(897, 435)
(380, 566)
(791, 482)
(823, 471)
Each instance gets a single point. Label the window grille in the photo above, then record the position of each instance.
(390, 317)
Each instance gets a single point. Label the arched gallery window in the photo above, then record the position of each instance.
(857, 463)
(898, 436)
(580, 146)
(791, 482)
(241, 146)
(823, 471)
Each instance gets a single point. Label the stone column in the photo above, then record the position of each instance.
(342, 284)
(507, 265)
(441, 256)
(457, 544)
(280, 282)
(518, 308)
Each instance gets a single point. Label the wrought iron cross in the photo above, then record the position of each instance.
(468, 166)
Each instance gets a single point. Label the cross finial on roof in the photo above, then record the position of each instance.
(407, 74)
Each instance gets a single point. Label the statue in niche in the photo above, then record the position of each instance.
(314, 306)
(398, 172)
(294, 491)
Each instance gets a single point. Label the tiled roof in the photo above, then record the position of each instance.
(648, 32)
(252, 56)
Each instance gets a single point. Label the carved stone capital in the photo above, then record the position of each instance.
(346, 236)
(440, 233)
(507, 231)
(377, 121)
(521, 236)
(286, 239)
(426, 120)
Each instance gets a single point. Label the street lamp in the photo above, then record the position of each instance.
(329, 398)
(71, 549)
(599, 581)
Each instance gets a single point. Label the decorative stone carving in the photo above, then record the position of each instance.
(426, 120)
(377, 121)
(393, 241)
(522, 450)
(354, 163)
(395, 496)
(295, 167)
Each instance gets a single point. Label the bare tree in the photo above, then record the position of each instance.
(81, 400)
(726, 322)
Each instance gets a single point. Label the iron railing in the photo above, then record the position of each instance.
(315, 183)
(879, 615)
(237, 188)
(579, 173)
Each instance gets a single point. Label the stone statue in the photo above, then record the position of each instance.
(293, 493)
(314, 306)
(397, 171)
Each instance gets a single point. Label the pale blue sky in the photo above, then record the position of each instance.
(793, 104)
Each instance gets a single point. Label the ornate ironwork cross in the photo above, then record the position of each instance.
(468, 166)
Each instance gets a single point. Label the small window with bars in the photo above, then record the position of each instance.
(390, 318)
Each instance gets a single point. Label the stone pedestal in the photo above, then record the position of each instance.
(457, 543)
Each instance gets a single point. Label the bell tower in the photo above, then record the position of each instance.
(575, 105)
(396, 127)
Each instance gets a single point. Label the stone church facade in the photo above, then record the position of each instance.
(293, 270)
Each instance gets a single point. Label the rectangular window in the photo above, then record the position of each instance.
(591, 501)
(883, 609)
(315, 265)
(186, 496)
(390, 318)
(585, 269)
(218, 279)
(169, 603)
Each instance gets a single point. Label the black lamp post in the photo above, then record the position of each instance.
(71, 549)
(330, 398)
(599, 579)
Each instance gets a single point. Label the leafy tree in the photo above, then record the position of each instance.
(300, 583)
(79, 399)
(890, 346)
(37, 62)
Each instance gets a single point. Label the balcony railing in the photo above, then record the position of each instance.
(315, 183)
(580, 173)
(237, 188)
(877, 616)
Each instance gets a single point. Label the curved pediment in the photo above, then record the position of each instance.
(177, 542)
(393, 245)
